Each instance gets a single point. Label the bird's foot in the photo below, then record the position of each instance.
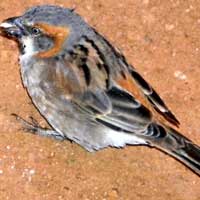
(35, 128)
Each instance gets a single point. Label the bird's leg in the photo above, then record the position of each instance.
(35, 128)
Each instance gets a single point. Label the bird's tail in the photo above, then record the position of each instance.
(180, 147)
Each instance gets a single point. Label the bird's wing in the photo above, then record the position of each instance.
(103, 87)
(138, 86)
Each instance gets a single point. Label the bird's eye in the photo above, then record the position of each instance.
(35, 31)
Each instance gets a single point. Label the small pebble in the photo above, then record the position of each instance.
(169, 27)
(180, 75)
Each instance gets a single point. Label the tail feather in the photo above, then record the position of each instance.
(181, 148)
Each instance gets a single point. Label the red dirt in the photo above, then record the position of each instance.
(161, 39)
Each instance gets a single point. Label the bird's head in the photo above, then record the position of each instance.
(45, 30)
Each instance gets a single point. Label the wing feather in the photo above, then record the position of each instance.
(154, 99)
(103, 98)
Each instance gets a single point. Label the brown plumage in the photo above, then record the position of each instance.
(59, 35)
(87, 91)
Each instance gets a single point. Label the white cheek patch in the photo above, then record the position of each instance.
(28, 45)
(28, 53)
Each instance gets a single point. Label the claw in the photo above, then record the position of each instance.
(35, 128)
(34, 121)
(27, 126)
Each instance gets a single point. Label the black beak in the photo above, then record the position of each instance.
(12, 28)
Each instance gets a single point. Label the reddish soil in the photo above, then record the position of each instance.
(162, 40)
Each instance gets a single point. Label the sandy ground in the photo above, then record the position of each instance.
(161, 39)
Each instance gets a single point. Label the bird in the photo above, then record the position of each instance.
(87, 90)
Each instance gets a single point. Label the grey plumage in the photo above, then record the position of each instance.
(87, 91)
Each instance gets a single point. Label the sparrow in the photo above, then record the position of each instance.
(87, 91)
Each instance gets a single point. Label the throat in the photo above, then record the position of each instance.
(26, 48)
